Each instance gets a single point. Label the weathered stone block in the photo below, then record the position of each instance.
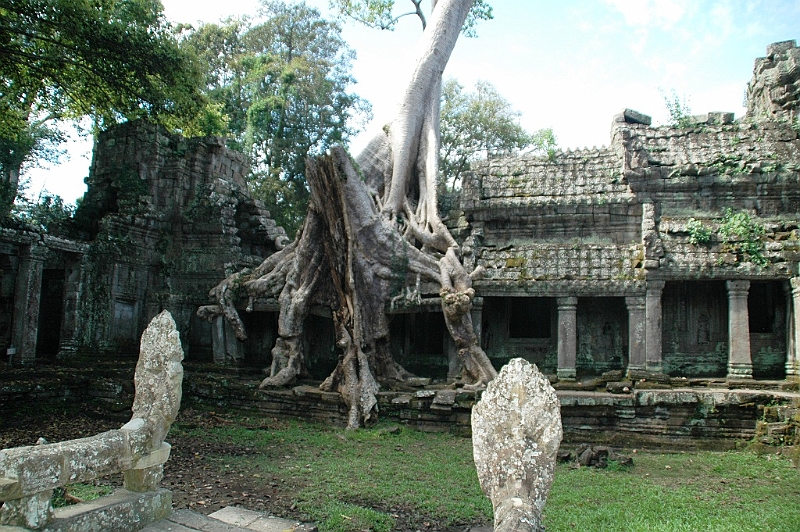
(619, 387)
(516, 432)
(122, 511)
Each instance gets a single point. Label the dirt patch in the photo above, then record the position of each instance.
(198, 481)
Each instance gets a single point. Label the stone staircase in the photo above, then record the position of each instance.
(228, 519)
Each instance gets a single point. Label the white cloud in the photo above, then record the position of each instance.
(192, 11)
(648, 13)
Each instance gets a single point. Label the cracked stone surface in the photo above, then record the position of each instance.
(516, 432)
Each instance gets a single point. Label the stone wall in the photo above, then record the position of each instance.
(774, 91)
(531, 199)
(676, 417)
(601, 231)
(167, 218)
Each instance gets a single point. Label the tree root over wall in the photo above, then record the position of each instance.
(369, 231)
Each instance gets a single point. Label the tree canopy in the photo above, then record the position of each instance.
(65, 59)
(383, 14)
(283, 86)
(476, 125)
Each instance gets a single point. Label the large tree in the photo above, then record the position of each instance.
(372, 240)
(283, 85)
(65, 59)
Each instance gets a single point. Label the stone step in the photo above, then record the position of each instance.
(228, 519)
(258, 521)
(189, 521)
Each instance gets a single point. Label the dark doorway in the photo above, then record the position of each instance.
(51, 311)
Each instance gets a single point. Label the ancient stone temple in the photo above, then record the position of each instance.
(674, 249)
(635, 256)
(163, 219)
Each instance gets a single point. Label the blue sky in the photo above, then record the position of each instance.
(570, 64)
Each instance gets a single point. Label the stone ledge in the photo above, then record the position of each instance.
(122, 511)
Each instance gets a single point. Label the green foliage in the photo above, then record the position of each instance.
(49, 214)
(699, 234)
(743, 236)
(543, 143)
(64, 59)
(680, 114)
(282, 88)
(337, 516)
(738, 233)
(360, 474)
(738, 492)
(381, 14)
(82, 491)
(480, 124)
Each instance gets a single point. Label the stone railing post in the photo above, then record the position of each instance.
(567, 337)
(740, 362)
(516, 431)
(28, 475)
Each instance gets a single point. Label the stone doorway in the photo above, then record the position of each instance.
(51, 312)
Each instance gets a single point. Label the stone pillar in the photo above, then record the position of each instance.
(567, 337)
(27, 300)
(793, 340)
(73, 282)
(740, 363)
(637, 359)
(227, 349)
(653, 327)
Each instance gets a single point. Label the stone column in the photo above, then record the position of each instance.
(793, 340)
(740, 363)
(567, 337)
(227, 349)
(73, 282)
(637, 360)
(27, 300)
(653, 327)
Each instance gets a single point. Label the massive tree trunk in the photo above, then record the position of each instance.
(372, 238)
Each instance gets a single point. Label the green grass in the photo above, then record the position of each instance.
(732, 492)
(357, 480)
(362, 475)
(87, 491)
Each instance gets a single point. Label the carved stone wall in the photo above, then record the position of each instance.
(599, 241)
(167, 218)
(774, 92)
(610, 226)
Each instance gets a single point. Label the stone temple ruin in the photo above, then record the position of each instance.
(620, 259)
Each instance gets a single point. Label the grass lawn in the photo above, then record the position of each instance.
(388, 477)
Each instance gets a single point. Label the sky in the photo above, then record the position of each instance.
(570, 65)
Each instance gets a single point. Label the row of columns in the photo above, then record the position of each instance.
(645, 332)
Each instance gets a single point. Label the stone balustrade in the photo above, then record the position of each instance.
(28, 475)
